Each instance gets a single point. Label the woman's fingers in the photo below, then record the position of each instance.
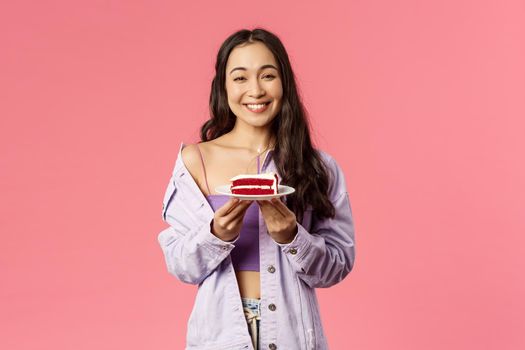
(236, 213)
(233, 220)
(238, 210)
(270, 208)
(228, 206)
(228, 219)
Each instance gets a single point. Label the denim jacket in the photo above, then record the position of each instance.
(321, 255)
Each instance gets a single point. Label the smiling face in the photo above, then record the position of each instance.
(253, 84)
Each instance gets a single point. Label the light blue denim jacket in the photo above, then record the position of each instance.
(321, 255)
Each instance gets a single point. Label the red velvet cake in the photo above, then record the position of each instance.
(255, 184)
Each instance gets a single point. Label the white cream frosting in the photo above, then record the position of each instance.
(267, 176)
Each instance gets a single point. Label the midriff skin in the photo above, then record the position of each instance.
(249, 284)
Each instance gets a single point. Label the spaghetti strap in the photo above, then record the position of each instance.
(203, 168)
(258, 163)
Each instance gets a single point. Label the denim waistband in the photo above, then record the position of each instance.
(253, 304)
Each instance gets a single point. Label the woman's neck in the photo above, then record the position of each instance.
(257, 140)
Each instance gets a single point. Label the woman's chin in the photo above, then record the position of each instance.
(257, 121)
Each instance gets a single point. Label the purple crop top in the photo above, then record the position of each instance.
(245, 255)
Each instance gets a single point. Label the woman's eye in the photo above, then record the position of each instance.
(270, 76)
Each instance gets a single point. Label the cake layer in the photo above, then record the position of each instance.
(253, 191)
(253, 184)
(252, 181)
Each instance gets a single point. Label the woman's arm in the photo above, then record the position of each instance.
(191, 256)
(326, 254)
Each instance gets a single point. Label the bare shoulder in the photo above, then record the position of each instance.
(191, 158)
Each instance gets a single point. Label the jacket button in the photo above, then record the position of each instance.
(272, 346)
(272, 307)
(271, 269)
(293, 251)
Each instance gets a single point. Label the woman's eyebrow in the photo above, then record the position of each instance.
(262, 67)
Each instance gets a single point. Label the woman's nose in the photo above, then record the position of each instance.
(255, 89)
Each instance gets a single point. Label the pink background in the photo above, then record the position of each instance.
(421, 102)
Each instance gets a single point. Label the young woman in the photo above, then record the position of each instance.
(257, 263)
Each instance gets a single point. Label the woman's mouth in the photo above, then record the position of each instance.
(257, 108)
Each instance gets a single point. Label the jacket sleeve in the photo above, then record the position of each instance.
(191, 251)
(325, 255)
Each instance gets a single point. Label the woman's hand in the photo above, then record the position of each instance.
(227, 221)
(280, 221)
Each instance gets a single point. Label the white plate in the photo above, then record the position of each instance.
(283, 191)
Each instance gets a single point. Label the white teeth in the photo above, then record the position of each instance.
(256, 106)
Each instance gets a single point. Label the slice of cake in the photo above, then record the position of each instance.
(255, 184)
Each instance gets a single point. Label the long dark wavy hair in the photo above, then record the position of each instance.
(297, 162)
